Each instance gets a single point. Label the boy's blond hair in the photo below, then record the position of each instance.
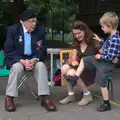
(109, 18)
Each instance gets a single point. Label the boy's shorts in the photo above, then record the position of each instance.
(103, 69)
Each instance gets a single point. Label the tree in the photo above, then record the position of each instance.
(46, 9)
(9, 13)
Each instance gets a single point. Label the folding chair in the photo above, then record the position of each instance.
(23, 81)
(5, 71)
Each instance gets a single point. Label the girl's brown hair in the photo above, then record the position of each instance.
(77, 24)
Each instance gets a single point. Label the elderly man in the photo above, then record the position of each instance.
(24, 50)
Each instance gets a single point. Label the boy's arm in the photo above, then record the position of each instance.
(112, 51)
(100, 40)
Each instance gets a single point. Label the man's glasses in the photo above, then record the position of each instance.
(32, 21)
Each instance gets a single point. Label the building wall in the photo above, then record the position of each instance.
(91, 10)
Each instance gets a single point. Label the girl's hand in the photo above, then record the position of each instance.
(74, 63)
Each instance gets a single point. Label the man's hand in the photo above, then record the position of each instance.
(27, 64)
(97, 56)
(34, 61)
(96, 37)
(74, 63)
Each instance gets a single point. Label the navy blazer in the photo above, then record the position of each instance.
(14, 44)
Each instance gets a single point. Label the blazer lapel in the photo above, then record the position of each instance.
(33, 40)
(21, 34)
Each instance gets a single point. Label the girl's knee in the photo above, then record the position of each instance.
(65, 68)
(71, 72)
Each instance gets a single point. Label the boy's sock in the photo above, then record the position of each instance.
(107, 102)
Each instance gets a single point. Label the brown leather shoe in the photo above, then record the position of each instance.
(48, 105)
(9, 104)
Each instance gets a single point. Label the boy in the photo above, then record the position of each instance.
(104, 61)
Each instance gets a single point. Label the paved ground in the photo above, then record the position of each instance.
(29, 109)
